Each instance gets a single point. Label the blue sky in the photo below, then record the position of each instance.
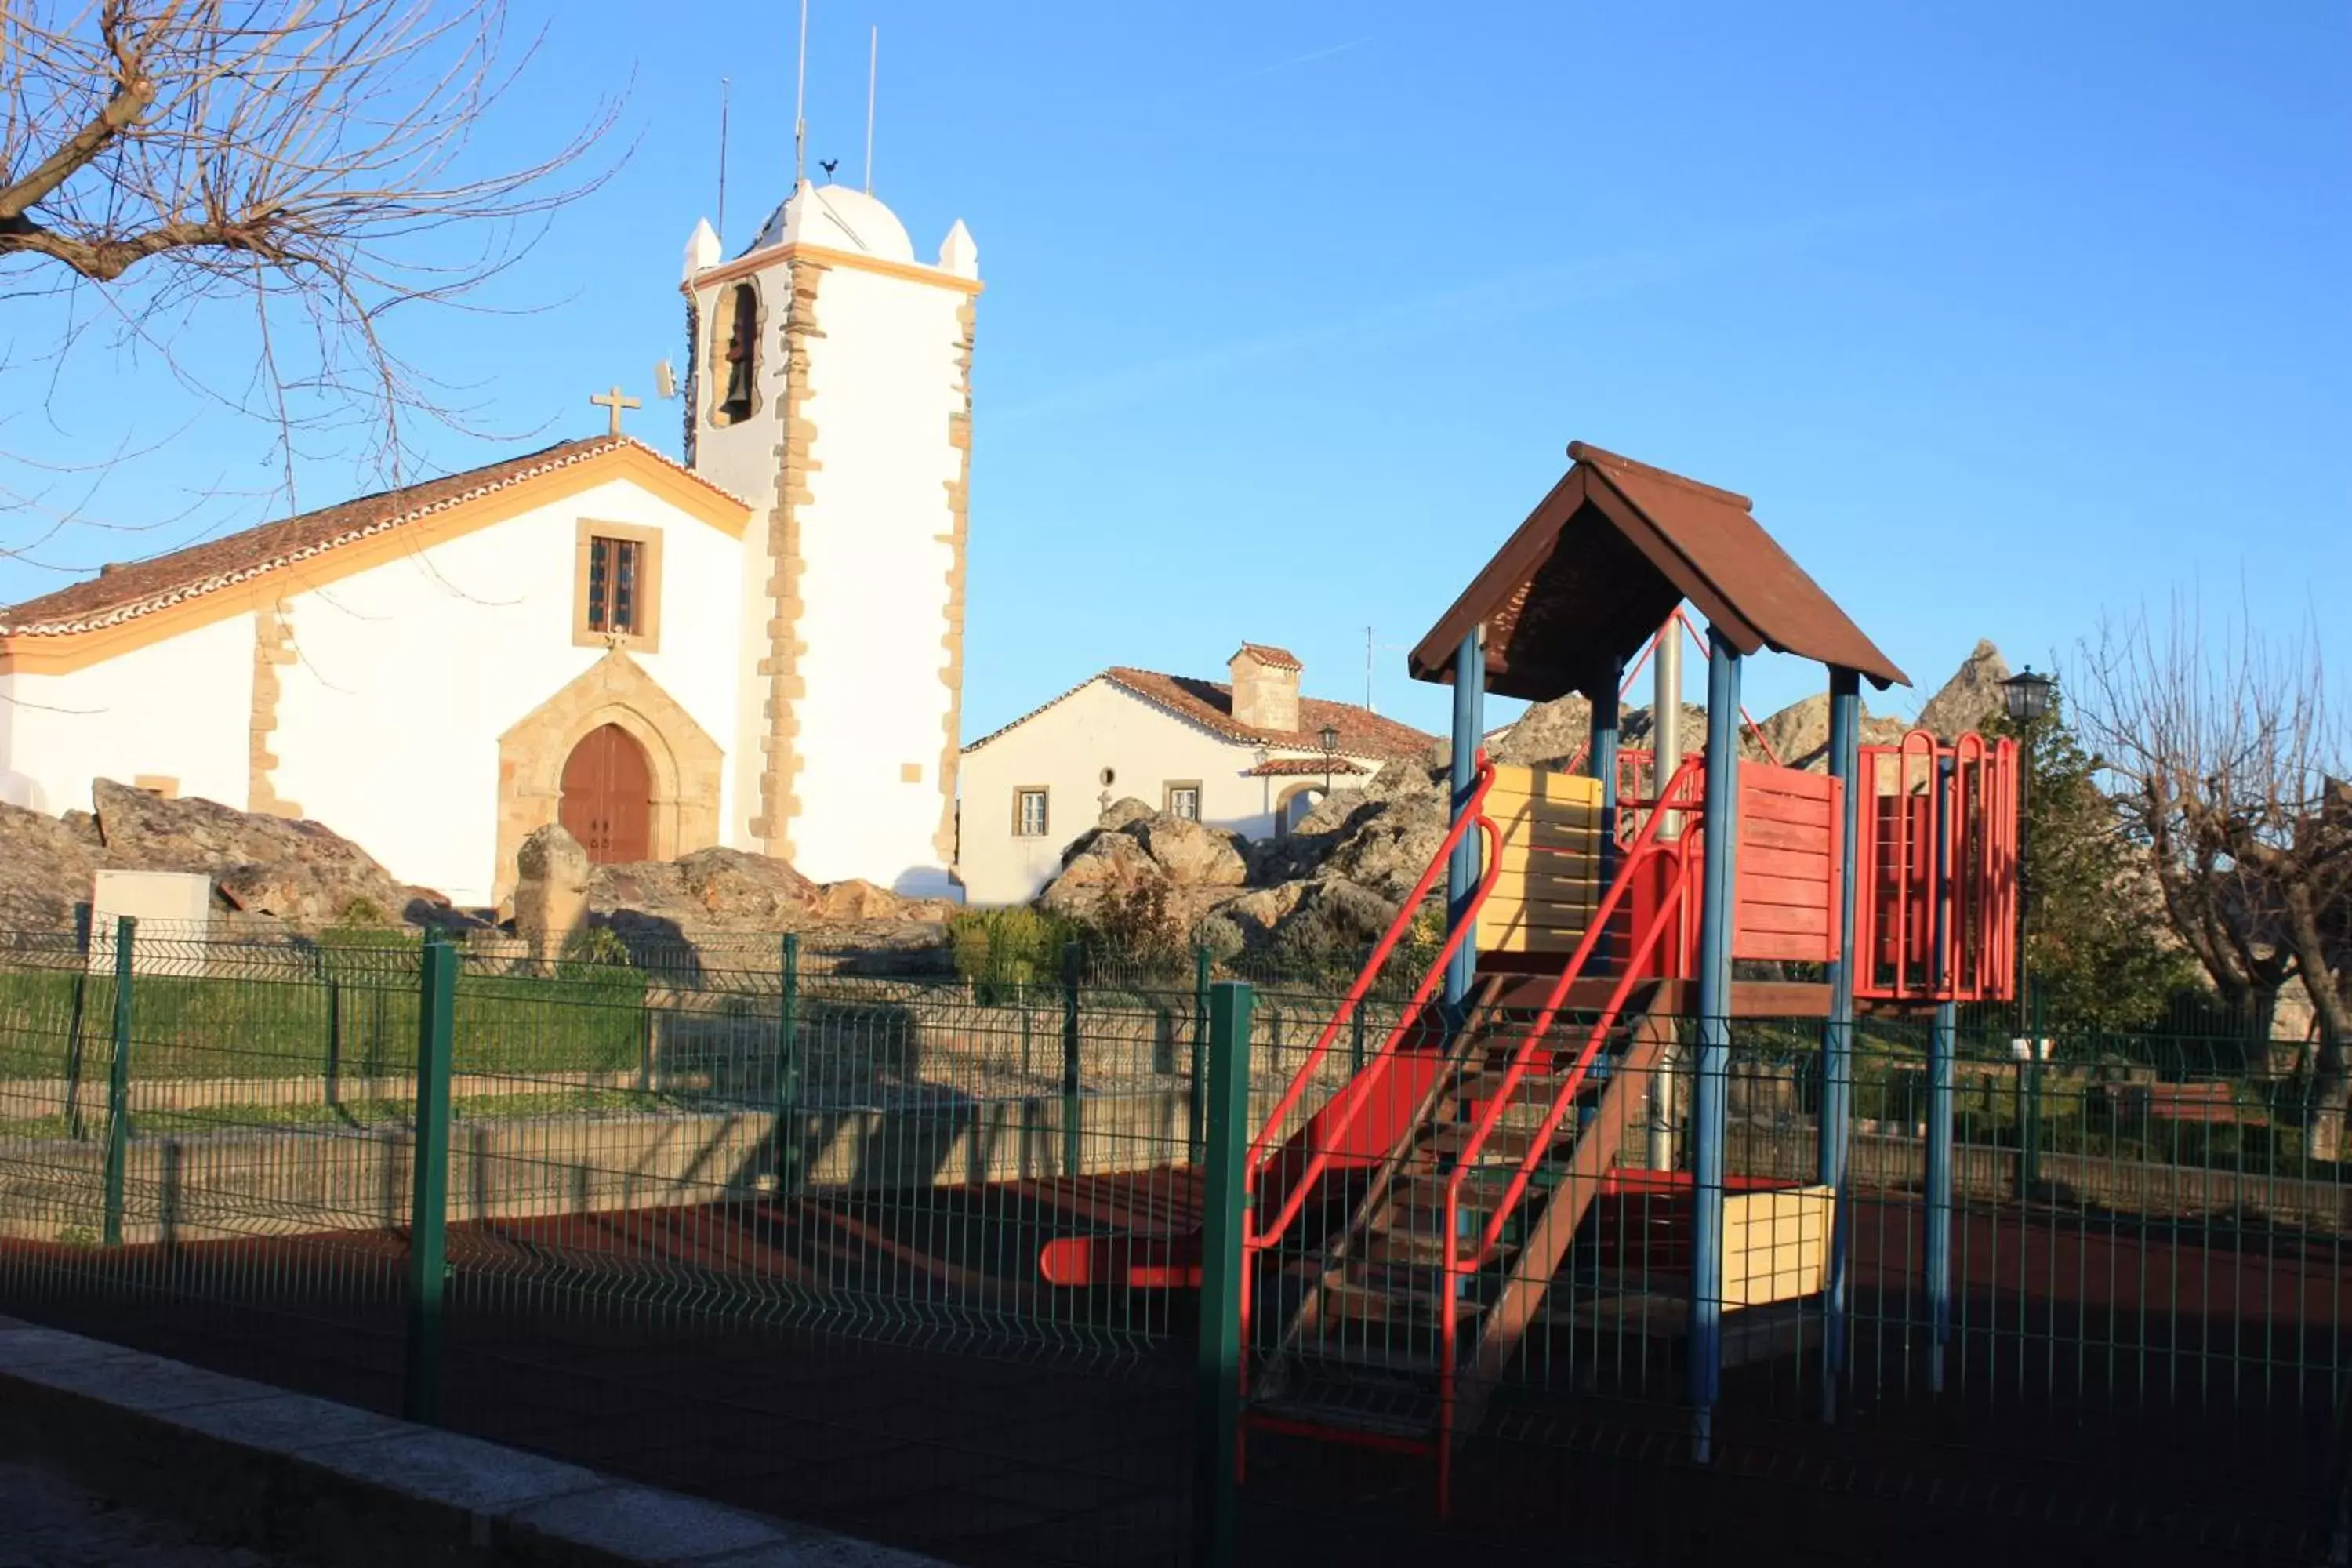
(2006, 316)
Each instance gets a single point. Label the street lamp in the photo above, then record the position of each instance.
(2027, 697)
(1330, 739)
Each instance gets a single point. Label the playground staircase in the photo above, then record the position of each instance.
(1399, 1319)
(1367, 1350)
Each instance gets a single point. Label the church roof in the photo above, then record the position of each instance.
(123, 593)
(840, 216)
(1210, 704)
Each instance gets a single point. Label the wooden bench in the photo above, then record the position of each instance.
(2214, 1103)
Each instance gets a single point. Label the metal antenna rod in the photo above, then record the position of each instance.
(800, 107)
(723, 87)
(872, 54)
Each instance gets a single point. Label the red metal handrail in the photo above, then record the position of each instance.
(1473, 813)
(1645, 849)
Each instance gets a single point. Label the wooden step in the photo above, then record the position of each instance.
(1340, 1415)
(1364, 1303)
(1505, 1144)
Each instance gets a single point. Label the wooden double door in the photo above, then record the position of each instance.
(608, 796)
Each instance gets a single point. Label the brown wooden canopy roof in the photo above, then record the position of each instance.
(1604, 559)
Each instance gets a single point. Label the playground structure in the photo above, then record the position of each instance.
(1405, 1242)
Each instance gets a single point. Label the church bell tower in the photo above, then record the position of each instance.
(829, 384)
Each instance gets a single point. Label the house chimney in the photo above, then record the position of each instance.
(1265, 688)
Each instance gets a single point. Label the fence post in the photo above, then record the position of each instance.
(1217, 1384)
(335, 1043)
(788, 1065)
(1197, 1110)
(1937, 1177)
(437, 1018)
(74, 1124)
(1073, 1140)
(118, 1081)
(2029, 1174)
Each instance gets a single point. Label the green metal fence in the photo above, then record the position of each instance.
(962, 1265)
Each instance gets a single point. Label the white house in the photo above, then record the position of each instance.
(1250, 755)
(662, 657)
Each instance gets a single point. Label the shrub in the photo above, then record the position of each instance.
(1002, 951)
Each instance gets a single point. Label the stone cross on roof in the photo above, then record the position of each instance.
(614, 401)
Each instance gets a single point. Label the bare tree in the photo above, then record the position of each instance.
(309, 162)
(2222, 754)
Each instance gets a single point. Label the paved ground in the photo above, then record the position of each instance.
(53, 1523)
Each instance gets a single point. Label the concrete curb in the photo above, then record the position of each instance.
(337, 1485)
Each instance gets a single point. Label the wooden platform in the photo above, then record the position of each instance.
(1525, 991)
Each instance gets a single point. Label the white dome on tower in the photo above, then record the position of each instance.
(839, 217)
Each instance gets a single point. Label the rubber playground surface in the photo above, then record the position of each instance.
(888, 1365)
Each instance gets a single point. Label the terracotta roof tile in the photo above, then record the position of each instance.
(1210, 704)
(1300, 767)
(121, 593)
(1272, 657)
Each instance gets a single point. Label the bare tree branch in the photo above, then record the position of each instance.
(2225, 761)
(316, 158)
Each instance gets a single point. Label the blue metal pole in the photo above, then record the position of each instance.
(1941, 1038)
(1461, 873)
(1600, 763)
(1836, 1114)
(1719, 845)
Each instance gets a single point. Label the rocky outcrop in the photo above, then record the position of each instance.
(1971, 697)
(45, 864)
(303, 873)
(1185, 863)
(1799, 735)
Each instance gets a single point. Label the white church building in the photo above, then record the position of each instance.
(761, 647)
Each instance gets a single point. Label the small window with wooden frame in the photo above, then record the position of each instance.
(1182, 798)
(616, 587)
(1030, 817)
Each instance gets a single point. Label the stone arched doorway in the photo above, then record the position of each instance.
(607, 802)
(682, 764)
(1293, 803)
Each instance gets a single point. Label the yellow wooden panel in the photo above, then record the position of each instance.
(1542, 783)
(1518, 937)
(1500, 912)
(1776, 1246)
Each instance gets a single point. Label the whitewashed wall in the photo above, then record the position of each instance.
(388, 725)
(1101, 726)
(182, 708)
(882, 384)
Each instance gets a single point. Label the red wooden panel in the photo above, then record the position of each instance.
(1770, 862)
(1805, 839)
(1783, 946)
(1785, 781)
(1763, 806)
(1809, 892)
(1786, 918)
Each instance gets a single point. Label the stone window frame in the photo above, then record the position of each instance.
(1045, 794)
(646, 638)
(722, 328)
(1168, 797)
